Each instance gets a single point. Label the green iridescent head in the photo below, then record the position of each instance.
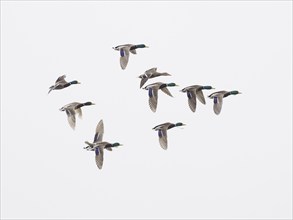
(141, 46)
(116, 144)
(235, 92)
(74, 82)
(179, 124)
(171, 84)
(89, 103)
(207, 87)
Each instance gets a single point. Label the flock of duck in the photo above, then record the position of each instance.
(194, 92)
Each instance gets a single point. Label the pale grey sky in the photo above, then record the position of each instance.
(235, 165)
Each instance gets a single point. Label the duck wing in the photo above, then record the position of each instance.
(124, 56)
(71, 117)
(153, 98)
(51, 88)
(79, 112)
(199, 95)
(163, 138)
(150, 71)
(99, 132)
(99, 156)
(143, 81)
(61, 79)
(166, 91)
(133, 51)
(191, 100)
(218, 102)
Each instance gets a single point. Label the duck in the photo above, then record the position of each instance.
(218, 99)
(153, 92)
(162, 132)
(61, 83)
(124, 52)
(98, 145)
(151, 73)
(72, 109)
(195, 92)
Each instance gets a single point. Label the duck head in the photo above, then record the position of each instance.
(141, 46)
(116, 144)
(235, 92)
(207, 87)
(171, 84)
(88, 103)
(178, 124)
(74, 82)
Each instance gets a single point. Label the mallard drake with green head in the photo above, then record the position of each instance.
(124, 52)
(98, 145)
(194, 92)
(153, 92)
(218, 99)
(162, 132)
(61, 83)
(74, 108)
(151, 73)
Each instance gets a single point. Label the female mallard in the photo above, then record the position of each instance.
(98, 145)
(71, 109)
(61, 83)
(124, 52)
(218, 99)
(162, 132)
(153, 93)
(194, 92)
(151, 73)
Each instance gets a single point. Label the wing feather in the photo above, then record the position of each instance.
(163, 138)
(124, 52)
(218, 102)
(99, 157)
(166, 91)
(71, 117)
(153, 98)
(99, 132)
(199, 95)
(191, 100)
(143, 81)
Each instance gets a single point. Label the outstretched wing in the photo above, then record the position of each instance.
(191, 100)
(124, 56)
(166, 91)
(99, 157)
(79, 112)
(71, 117)
(153, 98)
(150, 71)
(133, 51)
(143, 81)
(218, 102)
(163, 138)
(51, 88)
(200, 96)
(61, 79)
(99, 132)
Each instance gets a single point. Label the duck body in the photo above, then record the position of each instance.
(124, 52)
(98, 145)
(151, 73)
(72, 109)
(162, 132)
(195, 92)
(61, 83)
(218, 99)
(153, 92)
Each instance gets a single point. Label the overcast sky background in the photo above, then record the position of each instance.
(234, 165)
